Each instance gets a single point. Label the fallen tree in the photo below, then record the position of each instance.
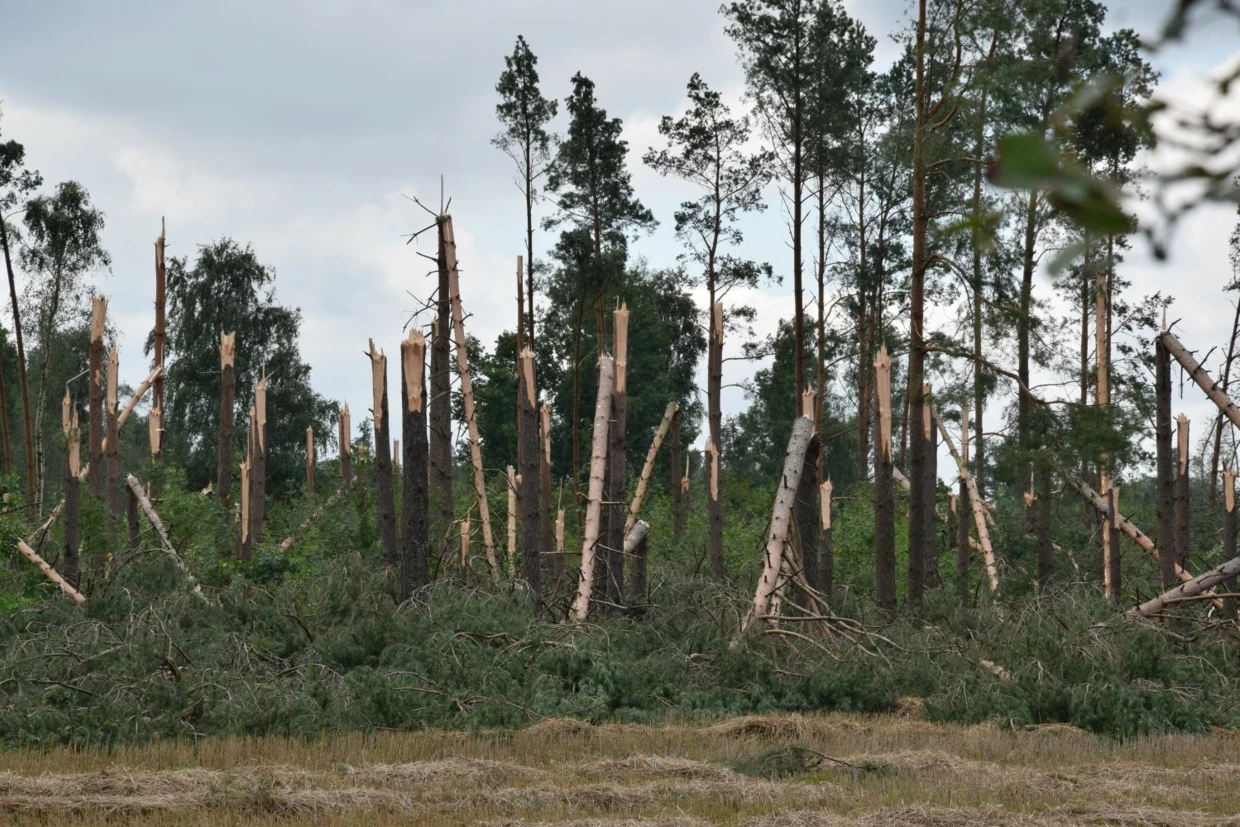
(1193, 588)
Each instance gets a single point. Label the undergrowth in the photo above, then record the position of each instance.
(332, 651)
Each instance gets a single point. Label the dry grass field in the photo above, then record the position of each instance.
(769, 771)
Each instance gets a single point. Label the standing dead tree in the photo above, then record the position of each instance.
(386, 494)
(161, 330)
(258, 463)
(94, 445)
(1182, 493)
(1165, 475)
(532, 537)
(773, 561)
(594, 500)
(648, 466)
(884, 493)
(617, 470)
(441, 394)
(467, 394)
(345, 439)
(415, 496)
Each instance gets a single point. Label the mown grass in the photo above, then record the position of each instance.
(564, 771)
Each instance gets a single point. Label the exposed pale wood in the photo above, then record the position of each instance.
(532, 541)
(49, 572)
(161, 532)
(155, 430)
(465, 531)
(635, 535)
(884, 501)
(228, 403)
(545, 523)
(1189, 588)
(976, 504)
(559, 532)
(413, 358)
(245, 502)
(511, 476)
(160, 332)
(415, 491)
(467, 395)
(594, 501)
(773, 562)
(111, 442)
(385, 484)
(345, 423)
(824, 504)
(137, 396)
(648, 466)
(1183, 493)
(94, 441)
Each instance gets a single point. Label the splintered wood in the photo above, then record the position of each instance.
(594, 502)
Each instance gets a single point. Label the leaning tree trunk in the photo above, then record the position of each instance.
(617, 456)
(99, 309)
(228, 385)
(1191, 588)
(415, 539)
(807, 512)
(974, 499)
(884, 495)
(594, 499)
(1165, 482)
(531, 466)
(1182, 497)
(774, 560)
(386, 496)
(648, 467)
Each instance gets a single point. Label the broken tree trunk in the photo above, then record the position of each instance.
(884, 495)
(673, 454)
(113, 436)
(781, 519)
(594, 501)
(977, 506)
(1165, 474)
(930, 434)
(826, 542)
(310, 460)
(258, 464)
(532, 454)
(1113, 560)
(131, 512)
(714, 505)
(161, 532)
(245, 546)
(511, 478)
(467, 395)
(386, 494)
(161, 332)
(806, 512)
(415, 496)
(72, 486)
(637, 548)
(440, 401)
(94, 439)
(50, 573)
(1229, 538)
(21, 362)
(545, 531)
(1182, 494)
(345, 438)
(617, 461)
(648, 467)
(1190, 588)
(1198, 374)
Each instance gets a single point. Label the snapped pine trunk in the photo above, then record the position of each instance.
(673, 455)
(385, 493)
(258, 465)
(1229, 538)
(826, 543)
(554, 563)
(161, 333)
(227, 407)
(1165, 473)
(648, 466)
(440, 402)
(245, 542)
(774, 560)
(884, 493)
(467, 395)
(807, 511)
(714, 505)
(1113, 560)
(310, 461)
(617, 466)
(72, 485)
(531, 462)
(1190, 588)
(594, 500)
(113, 436)
(974, 497)
(1182, 494)
(415, 496)
(94, 439)
(345, 439)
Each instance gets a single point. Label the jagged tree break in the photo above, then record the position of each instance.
(99, 311)
(590, 550)
(532, 462)
(415, 494)
(385, 491)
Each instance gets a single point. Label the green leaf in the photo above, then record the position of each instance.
(1026, 161)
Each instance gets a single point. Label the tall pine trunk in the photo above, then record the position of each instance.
(21, 362)
(385, 493)
(440, 404)
(415, 497)
(1165, 476)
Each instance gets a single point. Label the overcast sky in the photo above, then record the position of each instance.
(301, 127)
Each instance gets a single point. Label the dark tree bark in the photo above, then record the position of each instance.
(555, 562)
(132, 513)
(962, 544)
(826, 543)
(807, 514)
(385, 495)
(714, 378)
(161, 333)
(1167, 537)
(113, 438)
(617, 447)
(932, 517)
(95, 397)
(415, 497)
(530, 465)
(1229, 540)
(21, 363)
(673, 457)
(884, 496)
(1182, 499)
(258, 466)
(441, 406)
(1042, 521)
(641, 553)
(1114, 563)
(346, 445)
(72, 564)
